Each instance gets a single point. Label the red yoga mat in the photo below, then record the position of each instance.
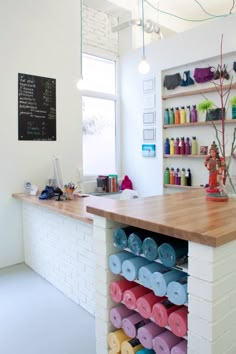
(131, 296)
(145, 303)
(117, 314)
(161, 312)
(117, 289)
(178, 321)
(132, 323)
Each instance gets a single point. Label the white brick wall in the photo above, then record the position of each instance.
(97, 30)
(60, 249)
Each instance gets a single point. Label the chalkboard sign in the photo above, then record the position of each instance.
(36, 108)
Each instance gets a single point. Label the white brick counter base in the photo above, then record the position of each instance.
(60, 249)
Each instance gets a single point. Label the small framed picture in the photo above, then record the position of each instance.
(203, 150)
(149, 101)
(148, 85)
(148, 150)
(149, 134)
(149, 117)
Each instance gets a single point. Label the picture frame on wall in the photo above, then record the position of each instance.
(148, 150)
(149, 134)
(149, 101)
(149, 117)
(148, 85)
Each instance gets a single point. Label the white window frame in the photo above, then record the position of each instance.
(101, 95)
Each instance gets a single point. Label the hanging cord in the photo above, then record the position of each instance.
(81, 39)
(191, 20)
(207, 13)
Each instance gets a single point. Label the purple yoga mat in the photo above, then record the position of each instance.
(163, 343)
(117, 314)
(147, 333)
(131, 324)
(180, 348)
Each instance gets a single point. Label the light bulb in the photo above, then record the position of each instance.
(80, 83)
(143, 66)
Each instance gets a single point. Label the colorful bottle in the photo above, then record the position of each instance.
(194, 115)
(188, 114)
(188, 178)
(177, 177)
(172, 175)
(187, 147)
(172, 146)
(177, 115)
(194, 146)
(167, 176)
(182, 146)
(177, 148)
(183, 178)
(166, 117)
(182, 115)
(167, 147)
(172, 116)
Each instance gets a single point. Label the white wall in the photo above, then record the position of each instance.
(195, 45)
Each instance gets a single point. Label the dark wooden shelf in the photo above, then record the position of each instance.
(197, 124)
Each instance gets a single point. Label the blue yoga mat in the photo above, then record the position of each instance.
(177, 291)
(150, 249)
(145, 351)
(120, 236)
(145, 273)
(169, 253)
(135, 243)
(131, 267)
(160, 280)
(116, 260)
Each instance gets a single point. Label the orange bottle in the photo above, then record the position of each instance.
(177, 115)
(172, 176)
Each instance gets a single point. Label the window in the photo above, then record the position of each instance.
(99, 103)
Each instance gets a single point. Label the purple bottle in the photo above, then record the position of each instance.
(182, 146)
(194, 114)
(177, 177)
(177, 148)
(187, 147)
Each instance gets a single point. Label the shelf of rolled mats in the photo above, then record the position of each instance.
(197, 124)
(181, 266)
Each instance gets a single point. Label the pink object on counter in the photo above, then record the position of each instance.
(117, 314)
(145, 303)
(131, 296)
(147, 333)
(161, 312)
(163, 343)
(132, 323)
(178, 321)
(117, 289)
(180, 348)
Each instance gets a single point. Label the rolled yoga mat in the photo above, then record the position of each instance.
(178, 321)
(130, 267)
(160, 280)
(135, 242)
(147, 333)
(117, 289)
(115, 340)
(180, 348)
(131, 346)
(170, 252)
(113, 352)
(150, 249)
(163, 343)
(145, 273)
(145, 351)
(177, 291)
(116, 260)
(132, 323)
(161, 312)
(120, 236)
(145, 304)
(131, 296)
(117, 314)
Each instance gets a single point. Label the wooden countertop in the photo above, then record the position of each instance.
(187, 215)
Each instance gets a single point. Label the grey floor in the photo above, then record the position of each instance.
(36, 318)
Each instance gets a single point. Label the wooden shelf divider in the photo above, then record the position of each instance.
(227, 121)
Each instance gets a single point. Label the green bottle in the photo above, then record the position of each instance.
(167, 176)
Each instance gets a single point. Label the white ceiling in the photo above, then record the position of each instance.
(188, 9)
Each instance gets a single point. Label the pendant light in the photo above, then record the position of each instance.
(80, 81)
(143, 65)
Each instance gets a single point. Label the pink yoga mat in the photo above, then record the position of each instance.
(145, 303)
(117, 314)
(147, 333)
(131, 296)
(117, 289)
(178, 321)
(132, 323)
(161, 312)
(163, 343)
(180, 348)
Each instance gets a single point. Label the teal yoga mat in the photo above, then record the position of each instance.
(145, 351)
(170, 252)
(160, 280)
(177, 291)
(116, 260)
(145, 273)
(135, 242)
(150, 249)
(120, 236)
(131, 267)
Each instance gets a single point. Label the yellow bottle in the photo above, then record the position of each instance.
(172, 146)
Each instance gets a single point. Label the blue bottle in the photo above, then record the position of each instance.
(167, 147)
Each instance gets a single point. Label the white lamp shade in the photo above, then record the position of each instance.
(143, 67)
